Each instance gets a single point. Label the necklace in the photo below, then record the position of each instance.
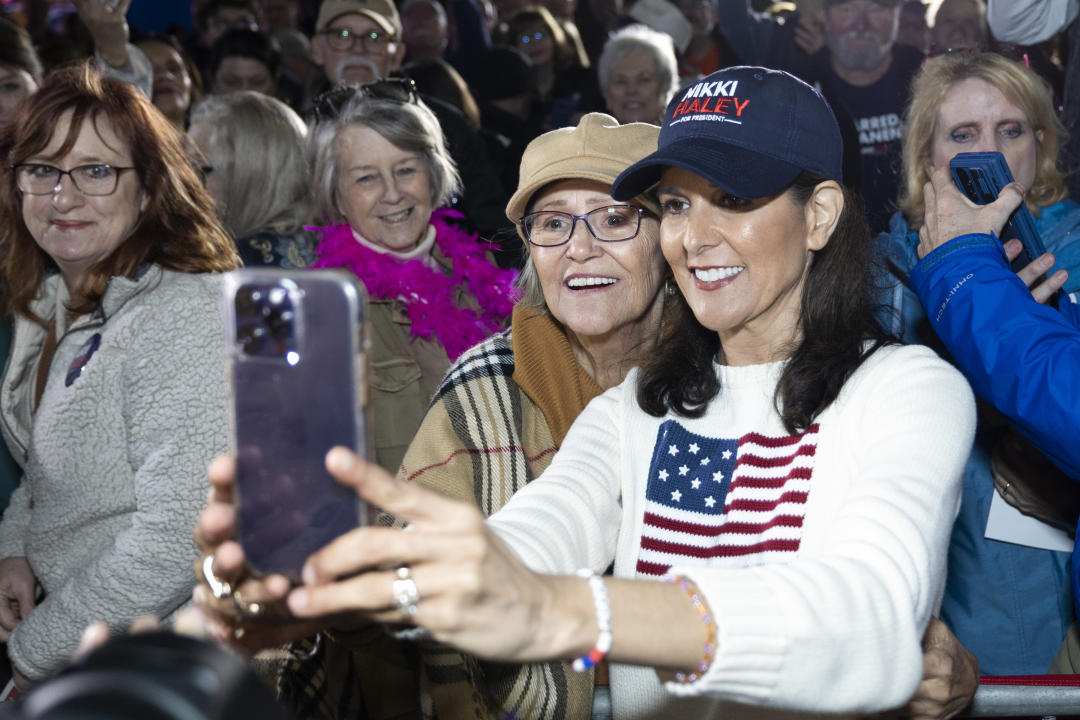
(427, 293)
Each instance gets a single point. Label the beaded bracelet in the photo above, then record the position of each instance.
(710, 627)
(603, 622)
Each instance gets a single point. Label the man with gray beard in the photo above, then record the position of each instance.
(861, 71)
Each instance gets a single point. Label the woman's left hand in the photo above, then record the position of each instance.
(474, 593)
(949, 214)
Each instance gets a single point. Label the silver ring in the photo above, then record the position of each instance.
(219, 588)
(405, 592)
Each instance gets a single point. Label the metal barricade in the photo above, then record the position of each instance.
(1030, 697)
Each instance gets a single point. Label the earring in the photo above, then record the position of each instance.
(670, 288)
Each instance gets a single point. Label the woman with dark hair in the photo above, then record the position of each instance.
(787, 470)
(244, 60)
(113, 398)
(177, 84)
(20, 69)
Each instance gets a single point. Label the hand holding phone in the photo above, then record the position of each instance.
(981, 177)
(298, 387)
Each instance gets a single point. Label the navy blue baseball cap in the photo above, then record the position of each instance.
(747, 130)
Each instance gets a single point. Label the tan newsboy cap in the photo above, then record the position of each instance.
(599, 148)
(383, 12)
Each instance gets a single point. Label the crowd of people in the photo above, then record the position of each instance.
(695, 380)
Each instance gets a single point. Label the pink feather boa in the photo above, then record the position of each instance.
(427, 293)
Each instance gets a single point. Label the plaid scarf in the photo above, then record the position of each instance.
(494, 425)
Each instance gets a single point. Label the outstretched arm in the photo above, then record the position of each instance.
(1019, 355)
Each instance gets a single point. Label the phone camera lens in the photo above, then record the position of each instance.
(247, 300)
(277, 296)
(250, 338)
(279, 322)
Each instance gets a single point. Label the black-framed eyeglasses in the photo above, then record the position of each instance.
(611, 223)
(372, 42)
(40, 179)
(329, 104)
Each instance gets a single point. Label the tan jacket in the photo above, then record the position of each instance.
(405, 373)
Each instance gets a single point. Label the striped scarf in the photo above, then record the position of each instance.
(495, 422)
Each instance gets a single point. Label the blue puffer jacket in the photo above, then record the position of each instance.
(1009, 604)
(1022, 357)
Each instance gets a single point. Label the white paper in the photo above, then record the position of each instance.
(1008, 524)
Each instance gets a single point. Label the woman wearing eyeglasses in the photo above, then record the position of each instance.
(1008, 603)
(113, 398)
(381, 173)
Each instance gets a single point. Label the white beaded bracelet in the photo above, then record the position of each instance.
(603, 622)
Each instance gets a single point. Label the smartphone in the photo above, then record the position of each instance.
(980, 176)
(297, 361)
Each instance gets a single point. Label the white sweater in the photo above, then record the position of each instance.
(822, 613)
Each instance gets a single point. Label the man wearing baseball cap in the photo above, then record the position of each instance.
(358, 41)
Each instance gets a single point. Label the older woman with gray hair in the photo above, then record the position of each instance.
(381, 171)
(638, 74)
(252, 147)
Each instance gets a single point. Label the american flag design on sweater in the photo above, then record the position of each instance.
(724, 502)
